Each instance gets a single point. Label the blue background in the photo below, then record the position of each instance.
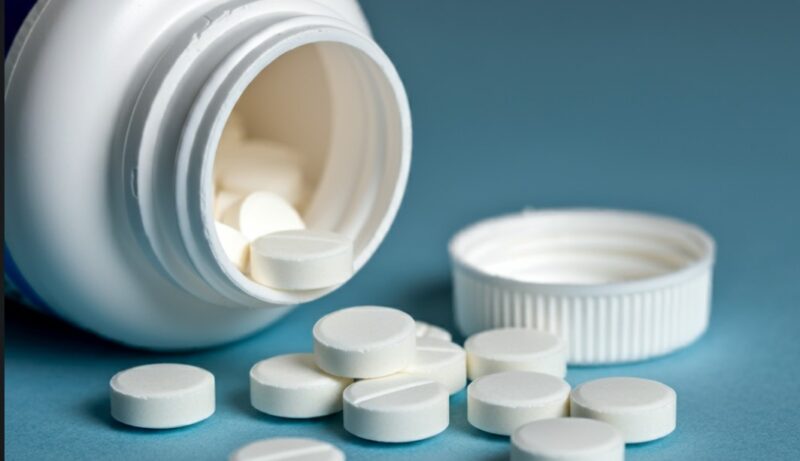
(688, 108)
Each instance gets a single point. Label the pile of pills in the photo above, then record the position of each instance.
(391, 377)
(260, 188)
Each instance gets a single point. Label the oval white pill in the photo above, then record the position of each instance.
(162, 396)
(233, 243)
(522, 349)
(262, 213)
(288, 449)
(642, 409)
(426, 330)
(501, 402)
(364, 341)
(257, 165)
(567, 439)
(301, 260)
(291, 386)
(399, 408)
(440, 361)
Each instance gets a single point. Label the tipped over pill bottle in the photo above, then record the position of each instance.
(115, 120)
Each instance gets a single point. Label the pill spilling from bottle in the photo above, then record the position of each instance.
(392, 380)
(260, 190)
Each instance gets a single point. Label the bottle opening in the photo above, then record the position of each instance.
(325, 126)
(279, 134)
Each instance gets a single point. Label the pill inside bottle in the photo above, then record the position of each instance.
(290, 157)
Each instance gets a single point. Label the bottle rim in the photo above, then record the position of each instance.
(189, 251)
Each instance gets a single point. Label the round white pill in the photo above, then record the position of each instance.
(258, 165)
(291, 386)
(233, 243)
(262, 213)
(642, 409)
(521, 349)
(364, 342)
(301, 260)
(399, 408)
(440, 361)
(567, 439)
(162, 396)
(501, 402)
(288, 449)
(426, 330)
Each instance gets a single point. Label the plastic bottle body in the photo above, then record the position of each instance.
(109, 154)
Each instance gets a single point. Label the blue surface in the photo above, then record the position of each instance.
(687, 108)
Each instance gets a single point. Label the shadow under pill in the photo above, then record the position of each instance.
(240, 400)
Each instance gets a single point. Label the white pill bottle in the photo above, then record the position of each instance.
(114, 112)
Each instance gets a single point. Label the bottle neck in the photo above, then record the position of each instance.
(175, 128)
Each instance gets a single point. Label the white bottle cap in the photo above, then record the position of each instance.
(618, 286)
